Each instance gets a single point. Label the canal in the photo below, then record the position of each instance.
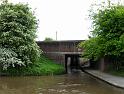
(75, 83)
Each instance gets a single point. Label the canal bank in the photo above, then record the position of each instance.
(110, 79)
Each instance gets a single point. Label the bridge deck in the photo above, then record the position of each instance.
(63, 53)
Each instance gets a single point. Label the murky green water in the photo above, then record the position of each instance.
(63, 84)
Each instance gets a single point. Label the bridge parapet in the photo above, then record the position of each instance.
(60, 46)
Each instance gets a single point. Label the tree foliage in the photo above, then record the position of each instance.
(108, 34)
(18, 26)
(47, 39)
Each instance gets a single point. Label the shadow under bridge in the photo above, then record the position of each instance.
(72, 61)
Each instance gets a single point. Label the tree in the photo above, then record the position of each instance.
(47, 39)
(93, 48)
(18, 27)
(107, 35)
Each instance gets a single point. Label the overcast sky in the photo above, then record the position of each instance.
(69, 18)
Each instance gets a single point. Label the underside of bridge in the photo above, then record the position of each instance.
(72, 62)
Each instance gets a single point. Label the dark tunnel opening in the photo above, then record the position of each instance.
(72, 62)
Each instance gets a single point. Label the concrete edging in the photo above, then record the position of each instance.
(108, 82)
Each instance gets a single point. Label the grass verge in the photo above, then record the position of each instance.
(42, 67)
(116, 72)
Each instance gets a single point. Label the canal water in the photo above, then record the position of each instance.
(75, 83)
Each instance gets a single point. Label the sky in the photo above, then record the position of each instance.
(69, 18)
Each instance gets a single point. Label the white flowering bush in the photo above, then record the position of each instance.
(9, 58)
(18, 27)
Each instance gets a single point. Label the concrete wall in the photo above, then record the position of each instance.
(104, 64)
(58, 58)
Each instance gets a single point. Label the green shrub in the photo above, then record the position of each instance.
(18, 26)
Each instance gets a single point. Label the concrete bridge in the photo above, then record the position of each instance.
(63, 52)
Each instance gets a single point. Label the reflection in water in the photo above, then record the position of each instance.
(79, 83)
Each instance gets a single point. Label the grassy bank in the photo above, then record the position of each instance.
(42, 67)
(116, 72)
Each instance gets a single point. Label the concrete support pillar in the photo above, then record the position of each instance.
(68, 65)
